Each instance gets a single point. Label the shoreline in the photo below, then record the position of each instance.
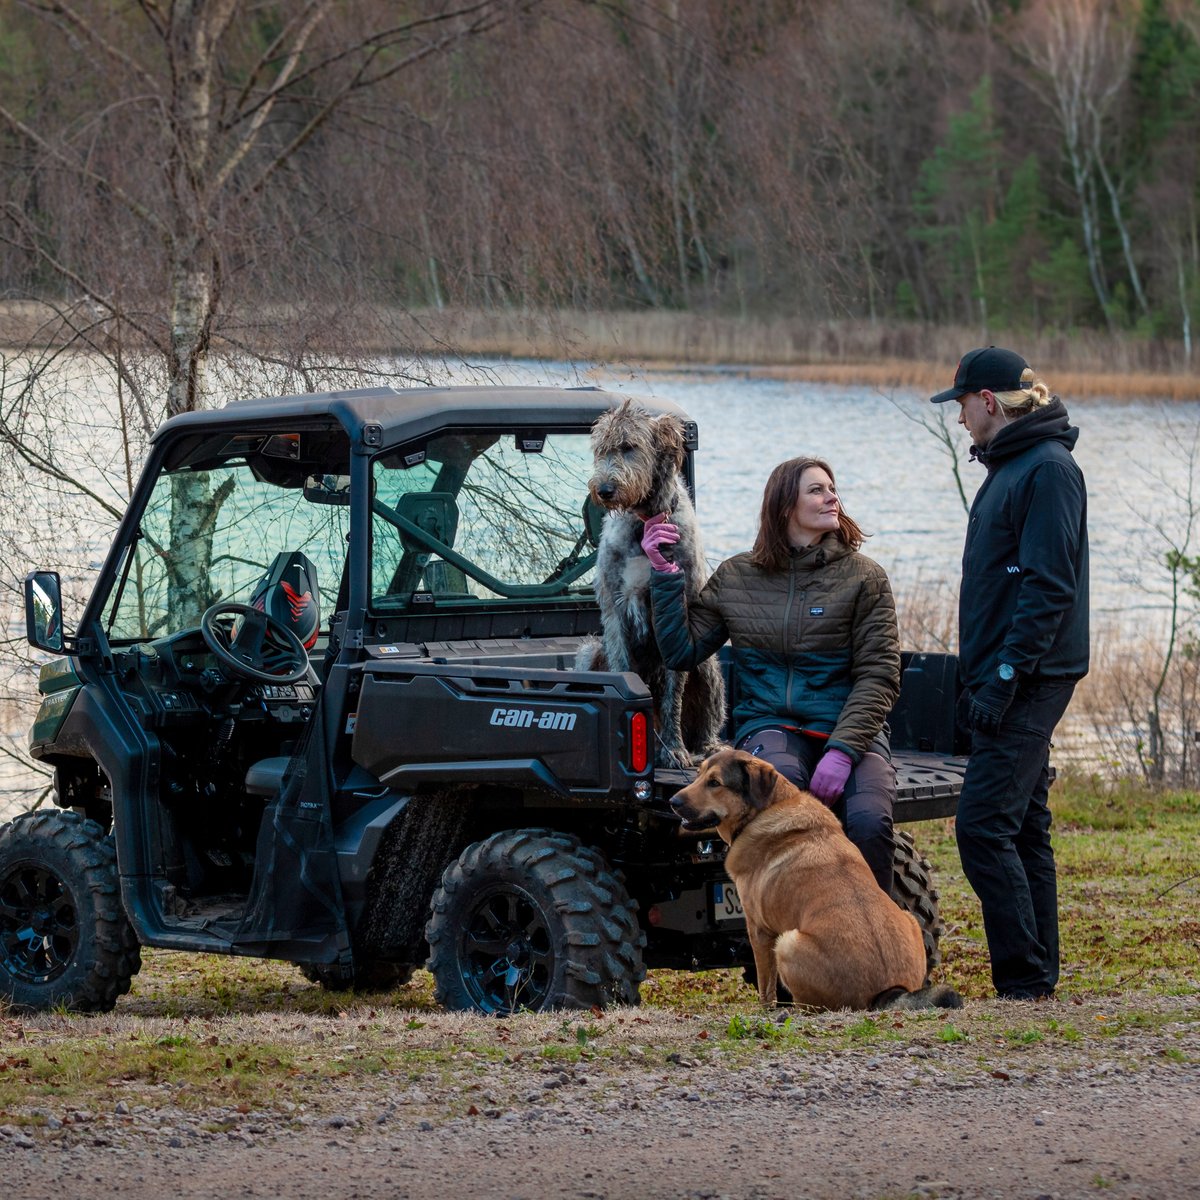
(847, 352)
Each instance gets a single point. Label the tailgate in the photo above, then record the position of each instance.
(560, 731)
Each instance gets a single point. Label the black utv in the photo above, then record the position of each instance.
(321, 707)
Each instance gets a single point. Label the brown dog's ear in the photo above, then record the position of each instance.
(668, 438)
(761, 781)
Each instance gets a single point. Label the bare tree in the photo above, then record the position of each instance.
(163, 179)
(1082, 51)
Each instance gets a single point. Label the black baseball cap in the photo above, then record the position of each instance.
(993, 368)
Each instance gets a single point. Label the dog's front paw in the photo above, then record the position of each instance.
(673, 759)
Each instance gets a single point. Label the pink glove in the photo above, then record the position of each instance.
(659, 532)
(830, 777)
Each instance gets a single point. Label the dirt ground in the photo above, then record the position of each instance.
(1055, 1100)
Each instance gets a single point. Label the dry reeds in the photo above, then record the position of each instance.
(881, 354)
(850, 352)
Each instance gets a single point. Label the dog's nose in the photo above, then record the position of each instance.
(606, 491)
(676, 802)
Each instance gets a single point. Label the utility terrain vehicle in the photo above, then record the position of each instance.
(320, 707)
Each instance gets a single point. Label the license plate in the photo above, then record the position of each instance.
(726, 904)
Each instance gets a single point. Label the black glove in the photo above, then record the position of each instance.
(990, 703)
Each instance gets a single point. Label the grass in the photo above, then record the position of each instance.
(1128, 887)
(199, 1031)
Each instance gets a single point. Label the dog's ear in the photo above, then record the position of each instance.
(668, 439)
(762, 779)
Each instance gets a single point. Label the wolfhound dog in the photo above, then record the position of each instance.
(637, 472)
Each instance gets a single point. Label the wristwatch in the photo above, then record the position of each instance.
(1006, 672)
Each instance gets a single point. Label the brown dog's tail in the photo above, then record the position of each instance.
(939, 995)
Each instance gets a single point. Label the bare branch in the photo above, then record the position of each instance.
(66, 16)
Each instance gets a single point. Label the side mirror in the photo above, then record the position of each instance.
(43, 610)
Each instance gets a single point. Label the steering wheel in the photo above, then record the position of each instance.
(260, 648)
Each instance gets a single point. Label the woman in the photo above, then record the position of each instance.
(816, 654)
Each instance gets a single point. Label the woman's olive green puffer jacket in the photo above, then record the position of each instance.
(814, 646)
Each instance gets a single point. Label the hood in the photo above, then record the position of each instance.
(1049, 423)
(829, 549)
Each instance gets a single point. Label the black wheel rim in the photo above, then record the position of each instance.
(39, 928)
(506, 952)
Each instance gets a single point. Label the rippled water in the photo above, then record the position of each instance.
(896, 478)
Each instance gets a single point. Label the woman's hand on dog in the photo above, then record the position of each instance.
(829, 779)
(660, 532)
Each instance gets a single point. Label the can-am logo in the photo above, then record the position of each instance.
(529, 718)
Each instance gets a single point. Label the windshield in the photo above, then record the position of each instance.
(212, 535)
(483, 516)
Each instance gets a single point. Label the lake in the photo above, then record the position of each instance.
(895, 479)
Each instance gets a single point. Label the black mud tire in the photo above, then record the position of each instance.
(64, 937)
(531, 919)
(913, 891)
(371, 976)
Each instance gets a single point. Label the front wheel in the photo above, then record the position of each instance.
(913, 891)
(64, 937)
(533, 919)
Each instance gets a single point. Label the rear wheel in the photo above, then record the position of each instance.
(913, 890)
(532, 919)
(64, 937)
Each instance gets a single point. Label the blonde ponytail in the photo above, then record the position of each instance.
(1032, 394)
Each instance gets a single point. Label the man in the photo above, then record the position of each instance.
(1023, 645)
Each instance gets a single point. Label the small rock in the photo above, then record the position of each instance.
(122, 1109)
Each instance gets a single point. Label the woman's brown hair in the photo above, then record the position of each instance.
(772, 551)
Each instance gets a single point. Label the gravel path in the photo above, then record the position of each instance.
(920, 1118)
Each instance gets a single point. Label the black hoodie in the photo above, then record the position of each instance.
(1024, 595)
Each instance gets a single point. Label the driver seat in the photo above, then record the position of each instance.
(288, 592)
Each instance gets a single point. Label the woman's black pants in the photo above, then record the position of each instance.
(865, 806)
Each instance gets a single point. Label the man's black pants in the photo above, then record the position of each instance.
(1003, 832)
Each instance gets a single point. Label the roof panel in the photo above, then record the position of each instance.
(415, 412)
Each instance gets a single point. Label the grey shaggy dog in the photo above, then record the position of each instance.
(637, 472)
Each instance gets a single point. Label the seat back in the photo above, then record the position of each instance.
(288, 592)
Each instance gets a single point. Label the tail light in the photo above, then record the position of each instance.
(639, 742)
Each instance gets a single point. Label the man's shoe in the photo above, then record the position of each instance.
(1021, 994)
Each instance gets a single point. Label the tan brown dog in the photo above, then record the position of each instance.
(815, 916)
